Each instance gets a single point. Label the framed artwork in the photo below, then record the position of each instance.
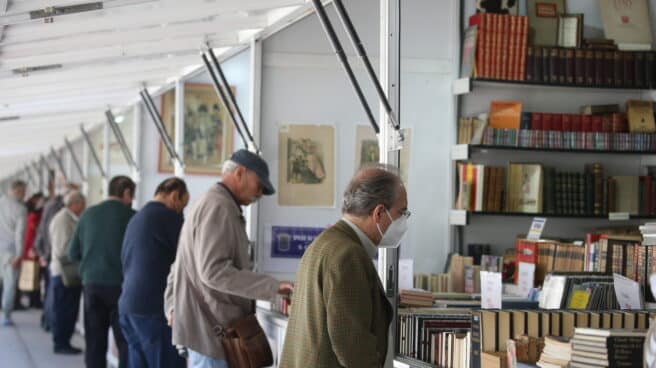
(208, 131)
(306, 171)
(366, 146)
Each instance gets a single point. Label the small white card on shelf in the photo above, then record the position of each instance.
(491, 290)
(526, 275)
(627, 292)
(405, 274)
(618, 216)
(537, 226)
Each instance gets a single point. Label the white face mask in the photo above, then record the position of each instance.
(394, 234)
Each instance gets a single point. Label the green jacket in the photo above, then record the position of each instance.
(340, 316)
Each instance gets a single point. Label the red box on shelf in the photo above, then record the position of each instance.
(536, 121)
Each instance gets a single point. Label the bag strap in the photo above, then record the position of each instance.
(219, 330)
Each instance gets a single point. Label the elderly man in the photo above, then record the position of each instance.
(65, 286)
(12, 231)
(42, 243)
(149, 247)
(340, 314)
(97, 243)
(213, 265)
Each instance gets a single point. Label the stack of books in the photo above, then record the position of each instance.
(592, 68)
(500, 46)
(607, 348)
(557, 352)
(648, 232)
(415, 298)
(549, 255)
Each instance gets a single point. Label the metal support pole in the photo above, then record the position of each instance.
(359, 48)
(92, 152)
(178, 128)
(59, 162)
(120, 140)
(157, 120)
(233, 101)
(219, 92)
(76, 162)
(339, 51)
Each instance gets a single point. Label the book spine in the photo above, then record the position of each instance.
(504, 60)
(618, 69)
(609, 69)
(554, 66)
(629, 72)
(599, 68)
(650, 73)
(523, 43)
(562, 65)
(513, 67)
(570, 61)
(538, 68)
(530, 65)
(579, 66)
(546, 64)
(589, 67)
(475, 360)
(639, 71)
(498, 45)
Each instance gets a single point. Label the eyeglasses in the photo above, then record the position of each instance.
(406, 214)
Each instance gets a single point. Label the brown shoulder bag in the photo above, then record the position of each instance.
(244, 341)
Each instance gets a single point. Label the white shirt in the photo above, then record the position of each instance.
(12, 225)
(368, 245)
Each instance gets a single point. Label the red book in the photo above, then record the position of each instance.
(567, 122)
(525, 251)
(536, 121)
(619, 123)
(576, 122)
(557, 122)
(504, 60)
(586, 123)
(482, 21)
(606, 123)
(522, 46)
(596, 124)
(547, 121)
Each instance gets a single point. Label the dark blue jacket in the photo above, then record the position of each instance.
(149, 248)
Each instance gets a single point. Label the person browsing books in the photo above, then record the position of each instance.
(340, 314)
(213, 265)
(149, 248)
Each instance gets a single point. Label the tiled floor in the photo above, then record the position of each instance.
(28, 346)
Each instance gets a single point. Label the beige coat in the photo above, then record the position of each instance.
(213, 255)
(60, 231)
(340, 316)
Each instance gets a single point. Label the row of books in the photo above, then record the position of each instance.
(607, 348)
(440, 337)
(491, 329)
(588, 67)
(574, 141)
(578, 290)
(498, 43)
(462, 276)
(548, 256)
(639, 118)
(481, 187)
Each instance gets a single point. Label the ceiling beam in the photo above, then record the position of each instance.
(3, 11)
(117, 52)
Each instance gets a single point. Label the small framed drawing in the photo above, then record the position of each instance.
(570, 30)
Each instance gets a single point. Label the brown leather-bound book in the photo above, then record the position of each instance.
(579, 66)
(530, 65)
(609, 70)
(523, 43)
(569, 62)
(598, 172)
(554, 66)
(612, 205)
(618, 69)
(629, 72)
(546, 64)
(589, 67)
(499, 204)
(504, 48)
(619, 122)
(600, 68)
(650, 73)
(488, 179)
(639, 70)
(537, 64)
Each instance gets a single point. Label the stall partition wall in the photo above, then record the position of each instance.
(303, 83)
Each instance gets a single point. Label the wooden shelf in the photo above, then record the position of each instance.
(466, 85)
(461, 152)
(461, 217)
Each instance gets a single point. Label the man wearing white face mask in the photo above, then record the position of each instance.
(340, 315)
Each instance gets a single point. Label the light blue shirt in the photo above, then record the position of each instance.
(368, 245)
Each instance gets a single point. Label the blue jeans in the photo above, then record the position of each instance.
(8, 277)
(65, 304)
(198, 360)
(149, 342)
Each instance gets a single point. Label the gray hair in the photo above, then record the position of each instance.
(229, 167)
(73, 197)
(372, 185)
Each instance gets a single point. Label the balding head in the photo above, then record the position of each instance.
(372, 185)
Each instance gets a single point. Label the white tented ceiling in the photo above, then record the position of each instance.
(63, 62)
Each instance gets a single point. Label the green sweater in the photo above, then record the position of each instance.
(97, 243)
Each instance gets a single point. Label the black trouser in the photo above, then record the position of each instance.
(100, 313)
(65, 307)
